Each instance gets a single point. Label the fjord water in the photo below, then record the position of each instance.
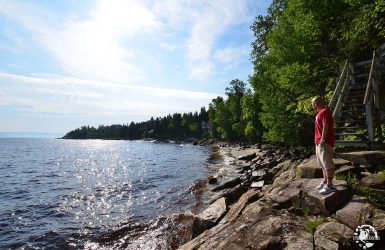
(96, 193)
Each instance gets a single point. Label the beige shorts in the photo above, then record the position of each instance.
(325, 154)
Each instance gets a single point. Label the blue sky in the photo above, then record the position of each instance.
(70, 63)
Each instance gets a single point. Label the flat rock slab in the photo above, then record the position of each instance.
(346, 169)
(339, 162)
(215, 211)
(309, 169)
(363, 157)
(247, 157)
(259, 173)
(327, 203)
(257, 184)
(333, 235)
(227, 184)
(359, 211)
(373, 181)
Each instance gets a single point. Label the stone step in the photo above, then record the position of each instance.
(363, 157)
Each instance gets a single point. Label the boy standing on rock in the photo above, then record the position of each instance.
(324, 141)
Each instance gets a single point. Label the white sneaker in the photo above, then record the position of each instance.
(327, 190)
(320, 186)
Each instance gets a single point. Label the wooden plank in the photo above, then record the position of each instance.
(368, 86)
(369, 121)
(338, 87)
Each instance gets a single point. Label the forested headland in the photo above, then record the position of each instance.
(298, 52)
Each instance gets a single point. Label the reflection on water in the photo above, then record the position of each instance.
(95, 194)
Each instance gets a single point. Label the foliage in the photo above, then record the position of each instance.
(174, 126)
(298, 52)
(352, 181)
(312, 225)
(237, 116)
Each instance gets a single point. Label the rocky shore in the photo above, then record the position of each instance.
(271, 201)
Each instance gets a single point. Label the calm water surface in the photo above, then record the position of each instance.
(97, 194)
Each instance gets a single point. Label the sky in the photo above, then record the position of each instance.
(68, 63)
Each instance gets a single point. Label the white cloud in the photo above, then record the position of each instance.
(72, 96)
(232, 55)
(207, 27)
(90, 48)
(94, 46)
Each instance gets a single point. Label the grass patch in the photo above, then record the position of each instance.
(301, 211)
(382, 173)
(352, 181)
(312, 225)
(375, 197)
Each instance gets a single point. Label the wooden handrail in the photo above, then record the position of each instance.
(338, 87)
(340, 95)
(369, 85)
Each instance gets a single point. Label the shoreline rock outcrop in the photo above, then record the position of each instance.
(272, 203)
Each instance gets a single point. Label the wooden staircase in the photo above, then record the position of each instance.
(358, 102)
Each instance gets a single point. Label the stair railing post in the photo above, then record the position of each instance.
(369, 121)
(338, 106)
(338, 86)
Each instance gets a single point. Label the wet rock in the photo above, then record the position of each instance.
(247, 157)
(231, 195)
(340, 236)
(373, 181)
(258, 184)
(227, 184)
(363, 157)
(212, 180)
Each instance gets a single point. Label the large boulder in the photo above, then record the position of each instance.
(309, 169)
(373, 181)
(333, 235)
(359, 211)
(209, 217)
(247, 157)
(329, 203)
(231, 194)
(302, 193)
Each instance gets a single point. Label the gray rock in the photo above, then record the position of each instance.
(327, 203)
(259, 173)
(356, 212)
(231, 195)
(258, 184)
(335, 232)
(346, 169)
(247, 157)
(227, 184)
(214, 212)
(373, 181)
(309, 169)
